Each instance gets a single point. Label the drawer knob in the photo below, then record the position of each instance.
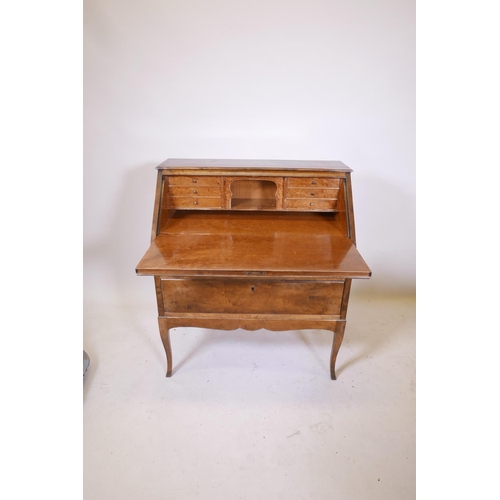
(196, 203)
(252, 288)
(195, 192)
(194, 180)
(312, 194)
(313, 182)
(312, 204)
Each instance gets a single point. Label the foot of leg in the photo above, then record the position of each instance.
(165, 338)
(338, 336)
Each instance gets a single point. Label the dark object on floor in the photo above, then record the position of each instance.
(86, 362)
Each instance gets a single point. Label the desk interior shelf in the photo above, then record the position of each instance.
(249, 194)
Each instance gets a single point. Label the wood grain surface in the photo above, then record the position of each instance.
(253, 244)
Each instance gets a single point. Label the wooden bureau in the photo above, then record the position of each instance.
(253, 244)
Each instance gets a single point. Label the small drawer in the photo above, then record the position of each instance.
(313, 182)
(311, 193)
(194, 190)
(251, 296)
(200, 180)
(195, 202)
(308, 204)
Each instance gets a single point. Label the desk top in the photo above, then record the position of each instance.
(337, 166)
(229, 243)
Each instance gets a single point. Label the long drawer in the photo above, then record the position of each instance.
(194, 190)
(312, 193)
(312, 182)
(200, 180)
(308, 204)
(247, 296)
(195, 202)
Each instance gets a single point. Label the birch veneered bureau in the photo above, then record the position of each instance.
(253, 244)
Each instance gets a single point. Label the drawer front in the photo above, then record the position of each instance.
(312, 182)
(311, 193)
(301, 204)
(247, 296)
(200, 180)
(194, 190)
(195, 202)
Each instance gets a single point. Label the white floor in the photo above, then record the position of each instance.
(250, 415)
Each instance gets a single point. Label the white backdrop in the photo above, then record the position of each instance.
(273, 79)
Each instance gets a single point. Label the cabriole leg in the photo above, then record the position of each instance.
(165, 338)
(338, 336)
